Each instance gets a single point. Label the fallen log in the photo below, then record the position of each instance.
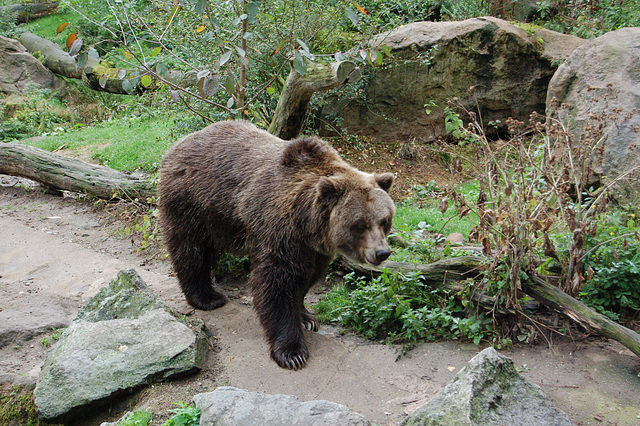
(291, 110)
(30, 11)
(95, 75)
(62, 173)
(449, 272)
(52, 56)
(559, 301)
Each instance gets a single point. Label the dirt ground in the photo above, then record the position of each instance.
(62, 250)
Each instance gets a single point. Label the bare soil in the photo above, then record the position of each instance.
(64, 249)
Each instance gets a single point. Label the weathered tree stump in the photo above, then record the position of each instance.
(68, 174)
(294, 100)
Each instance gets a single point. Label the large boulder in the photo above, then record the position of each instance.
(232, 406)
(18, 68)
(489, 391)
(124, 338)
(599, 84)
(489, 65)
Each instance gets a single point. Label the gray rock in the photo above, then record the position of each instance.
(233, 406)
(18, 67)
(489, 391)
(602, 77)
(122, 339)
(33, 315)
(485, 63)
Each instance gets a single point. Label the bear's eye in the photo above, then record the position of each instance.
(359, 226)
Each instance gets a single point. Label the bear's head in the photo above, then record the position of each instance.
(361, 213)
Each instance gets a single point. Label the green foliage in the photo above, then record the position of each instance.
(7, 23)
(587, 19)
(136, 418)
(612, 262)
(399, 308)
(465, 9)
(18, 407)
(230, 265)
(37, 112)
(387, 15)
(184, 415)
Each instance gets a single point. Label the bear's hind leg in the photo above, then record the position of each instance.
(193, 259)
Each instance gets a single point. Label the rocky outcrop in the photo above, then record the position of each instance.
(18, 68)
(124, 338)
(233, 406)
(599, 84)
(489, 391)
(493, 68)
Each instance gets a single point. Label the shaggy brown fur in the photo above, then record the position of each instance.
(292, 206)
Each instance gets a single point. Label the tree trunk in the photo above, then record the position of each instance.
(292, 106)
(58, 61)
(30, 11)
(559, 301)
(52, 56)
(449, 272)
(63, 173)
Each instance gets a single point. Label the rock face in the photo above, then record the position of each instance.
(486, 63)
(602, 78)
(18, 67)
(125, 337)
(489, 391)
(233, 406)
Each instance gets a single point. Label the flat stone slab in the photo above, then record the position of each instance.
(123, 339)
(232, 406)
(32, 316)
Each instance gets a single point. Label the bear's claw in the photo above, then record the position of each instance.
(290, 361)
(309, 321)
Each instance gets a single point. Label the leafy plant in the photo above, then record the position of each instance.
(399, 308)
(612, 266)
(136, 418)
(184, 415)
(587, 19)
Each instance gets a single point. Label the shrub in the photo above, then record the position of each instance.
(612, 267)
(399, 308)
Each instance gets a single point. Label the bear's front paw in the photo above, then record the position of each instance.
(309, 321)
(291, 359)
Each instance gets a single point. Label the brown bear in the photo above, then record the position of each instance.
(292, 206)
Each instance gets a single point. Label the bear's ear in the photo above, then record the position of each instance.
(384, 180)
(303, 150)
(328, 191)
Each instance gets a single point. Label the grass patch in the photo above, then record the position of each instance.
(45, 27)
(126, 145)
(17, 407)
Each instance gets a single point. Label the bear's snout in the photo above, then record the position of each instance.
(382, 255)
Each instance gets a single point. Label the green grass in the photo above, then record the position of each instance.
(127, 145)
(46, 26)
(410, 217)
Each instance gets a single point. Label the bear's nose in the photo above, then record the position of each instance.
(382, 254)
